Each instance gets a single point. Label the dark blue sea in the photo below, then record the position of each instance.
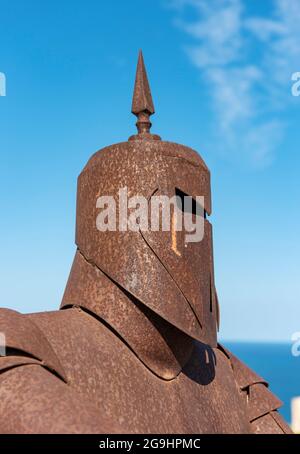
(276, 364)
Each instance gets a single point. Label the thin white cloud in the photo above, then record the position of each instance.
(280, 35)
(232, 94)
(264, 29)
(222, 43)
(247, 62)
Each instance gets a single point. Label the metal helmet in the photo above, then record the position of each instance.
(158, 268)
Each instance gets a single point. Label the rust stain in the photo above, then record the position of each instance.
(174, 234)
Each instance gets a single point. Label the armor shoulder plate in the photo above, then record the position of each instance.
(24, 343)
(262, 404)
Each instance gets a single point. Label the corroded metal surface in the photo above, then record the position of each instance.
(270, 423)
(89, 288)
(244, 376)
(285, 428)
(134, 347)
(145, 167)
(261, 401)
(11, 361)
(36, 401)
(142, 104)
(23, 335)
(202, 398)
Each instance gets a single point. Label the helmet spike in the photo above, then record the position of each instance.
(142, 103)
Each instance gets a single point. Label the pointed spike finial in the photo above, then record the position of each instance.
(142, 99)
(142, 103)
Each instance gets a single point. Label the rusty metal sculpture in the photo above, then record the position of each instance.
(133, 348)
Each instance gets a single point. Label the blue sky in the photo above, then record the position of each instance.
(220, 73)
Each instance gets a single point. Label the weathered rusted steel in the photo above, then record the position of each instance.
(270, 423)
(23, 335)
(261, 401)
(244, 376)
(142, 104)
(145, 167)
(89, 288)
(134, 347)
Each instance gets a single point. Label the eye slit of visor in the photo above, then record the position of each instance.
(196, 207)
